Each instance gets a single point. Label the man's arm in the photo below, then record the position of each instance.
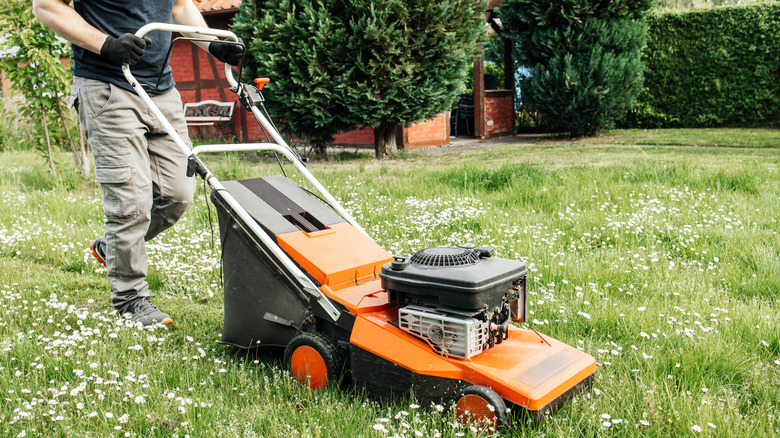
(186, 13)
(58, 16)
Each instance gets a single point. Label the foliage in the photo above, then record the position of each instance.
(702, 4)
(584, 56)
(32, 62)
(10, 138)
(339, 64)
(719, 67)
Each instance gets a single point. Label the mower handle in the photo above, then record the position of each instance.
(219, 33)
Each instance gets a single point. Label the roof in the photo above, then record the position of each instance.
(216, 6)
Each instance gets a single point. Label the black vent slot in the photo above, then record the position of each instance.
(445, 256)
(294, 213)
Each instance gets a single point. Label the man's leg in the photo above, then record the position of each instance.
(110, 117)
(172, 189)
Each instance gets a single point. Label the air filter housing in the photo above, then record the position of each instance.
(464, 278)
(448, 335)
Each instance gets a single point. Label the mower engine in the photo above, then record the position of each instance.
(460, 300)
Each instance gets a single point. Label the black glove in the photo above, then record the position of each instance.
(230, 53)
(127, 49)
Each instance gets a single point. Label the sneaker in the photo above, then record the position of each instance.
(142, 310)
(98, 247)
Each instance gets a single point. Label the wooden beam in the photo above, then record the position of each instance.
(480, 128)
(509, 64)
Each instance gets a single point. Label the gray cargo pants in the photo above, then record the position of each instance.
(142, 173)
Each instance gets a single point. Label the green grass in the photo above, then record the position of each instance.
(661, 262)
(716, 137)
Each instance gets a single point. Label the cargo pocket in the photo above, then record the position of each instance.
(118, 192)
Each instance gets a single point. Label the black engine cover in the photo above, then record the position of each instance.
(458, 278)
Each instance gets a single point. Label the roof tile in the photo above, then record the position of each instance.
(216, 5)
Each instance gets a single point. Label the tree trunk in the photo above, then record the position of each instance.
(48, 141)
(384, 140)
(76, 155)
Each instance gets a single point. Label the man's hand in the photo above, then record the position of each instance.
(127, 49)
(226, 52)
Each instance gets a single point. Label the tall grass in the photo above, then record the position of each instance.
(663, 263)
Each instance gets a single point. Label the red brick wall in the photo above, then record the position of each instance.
(358, 137)
(499, 112)
(200, 77)
(434, 132)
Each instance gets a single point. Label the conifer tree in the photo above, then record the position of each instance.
(584, 56)
(339, 64)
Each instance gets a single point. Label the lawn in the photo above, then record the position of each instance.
(661, 262)
(716, 137)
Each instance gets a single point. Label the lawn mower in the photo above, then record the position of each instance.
(300, 273)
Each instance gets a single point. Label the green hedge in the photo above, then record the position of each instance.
(719, 67)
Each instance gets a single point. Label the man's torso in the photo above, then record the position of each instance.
(119, 17)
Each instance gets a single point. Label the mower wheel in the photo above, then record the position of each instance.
(314, 360)
(480, 405)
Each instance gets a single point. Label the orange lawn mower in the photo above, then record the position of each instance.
(301, 273)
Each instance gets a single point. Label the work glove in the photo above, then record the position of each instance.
(127, 49)
(229, 53)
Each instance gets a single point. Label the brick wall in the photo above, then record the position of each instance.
(434, 132)
(499, 112)
(200, 77)
(363, 137)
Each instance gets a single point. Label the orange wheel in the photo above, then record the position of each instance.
(480, 405)
(307, 365)
(314, 360)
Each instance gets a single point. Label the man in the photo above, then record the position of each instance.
(140, 169)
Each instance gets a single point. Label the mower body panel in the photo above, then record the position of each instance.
(339, 256)
(527, 369)
(264, 305)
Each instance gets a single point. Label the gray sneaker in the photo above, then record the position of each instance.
(142, 310)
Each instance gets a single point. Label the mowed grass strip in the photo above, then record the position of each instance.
(662, 262)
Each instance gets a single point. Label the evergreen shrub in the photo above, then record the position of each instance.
(712, 68)
(584, 58)
(339, 64)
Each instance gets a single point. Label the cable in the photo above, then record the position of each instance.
(211, 227)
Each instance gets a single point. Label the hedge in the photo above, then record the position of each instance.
(718, 67)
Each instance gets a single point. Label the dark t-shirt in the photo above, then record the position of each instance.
(117, 17)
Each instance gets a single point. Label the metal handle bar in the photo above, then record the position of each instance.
(281, 145)
(219, 33)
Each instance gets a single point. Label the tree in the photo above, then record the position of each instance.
(584, 56)
(32, 63)
(339, 64)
